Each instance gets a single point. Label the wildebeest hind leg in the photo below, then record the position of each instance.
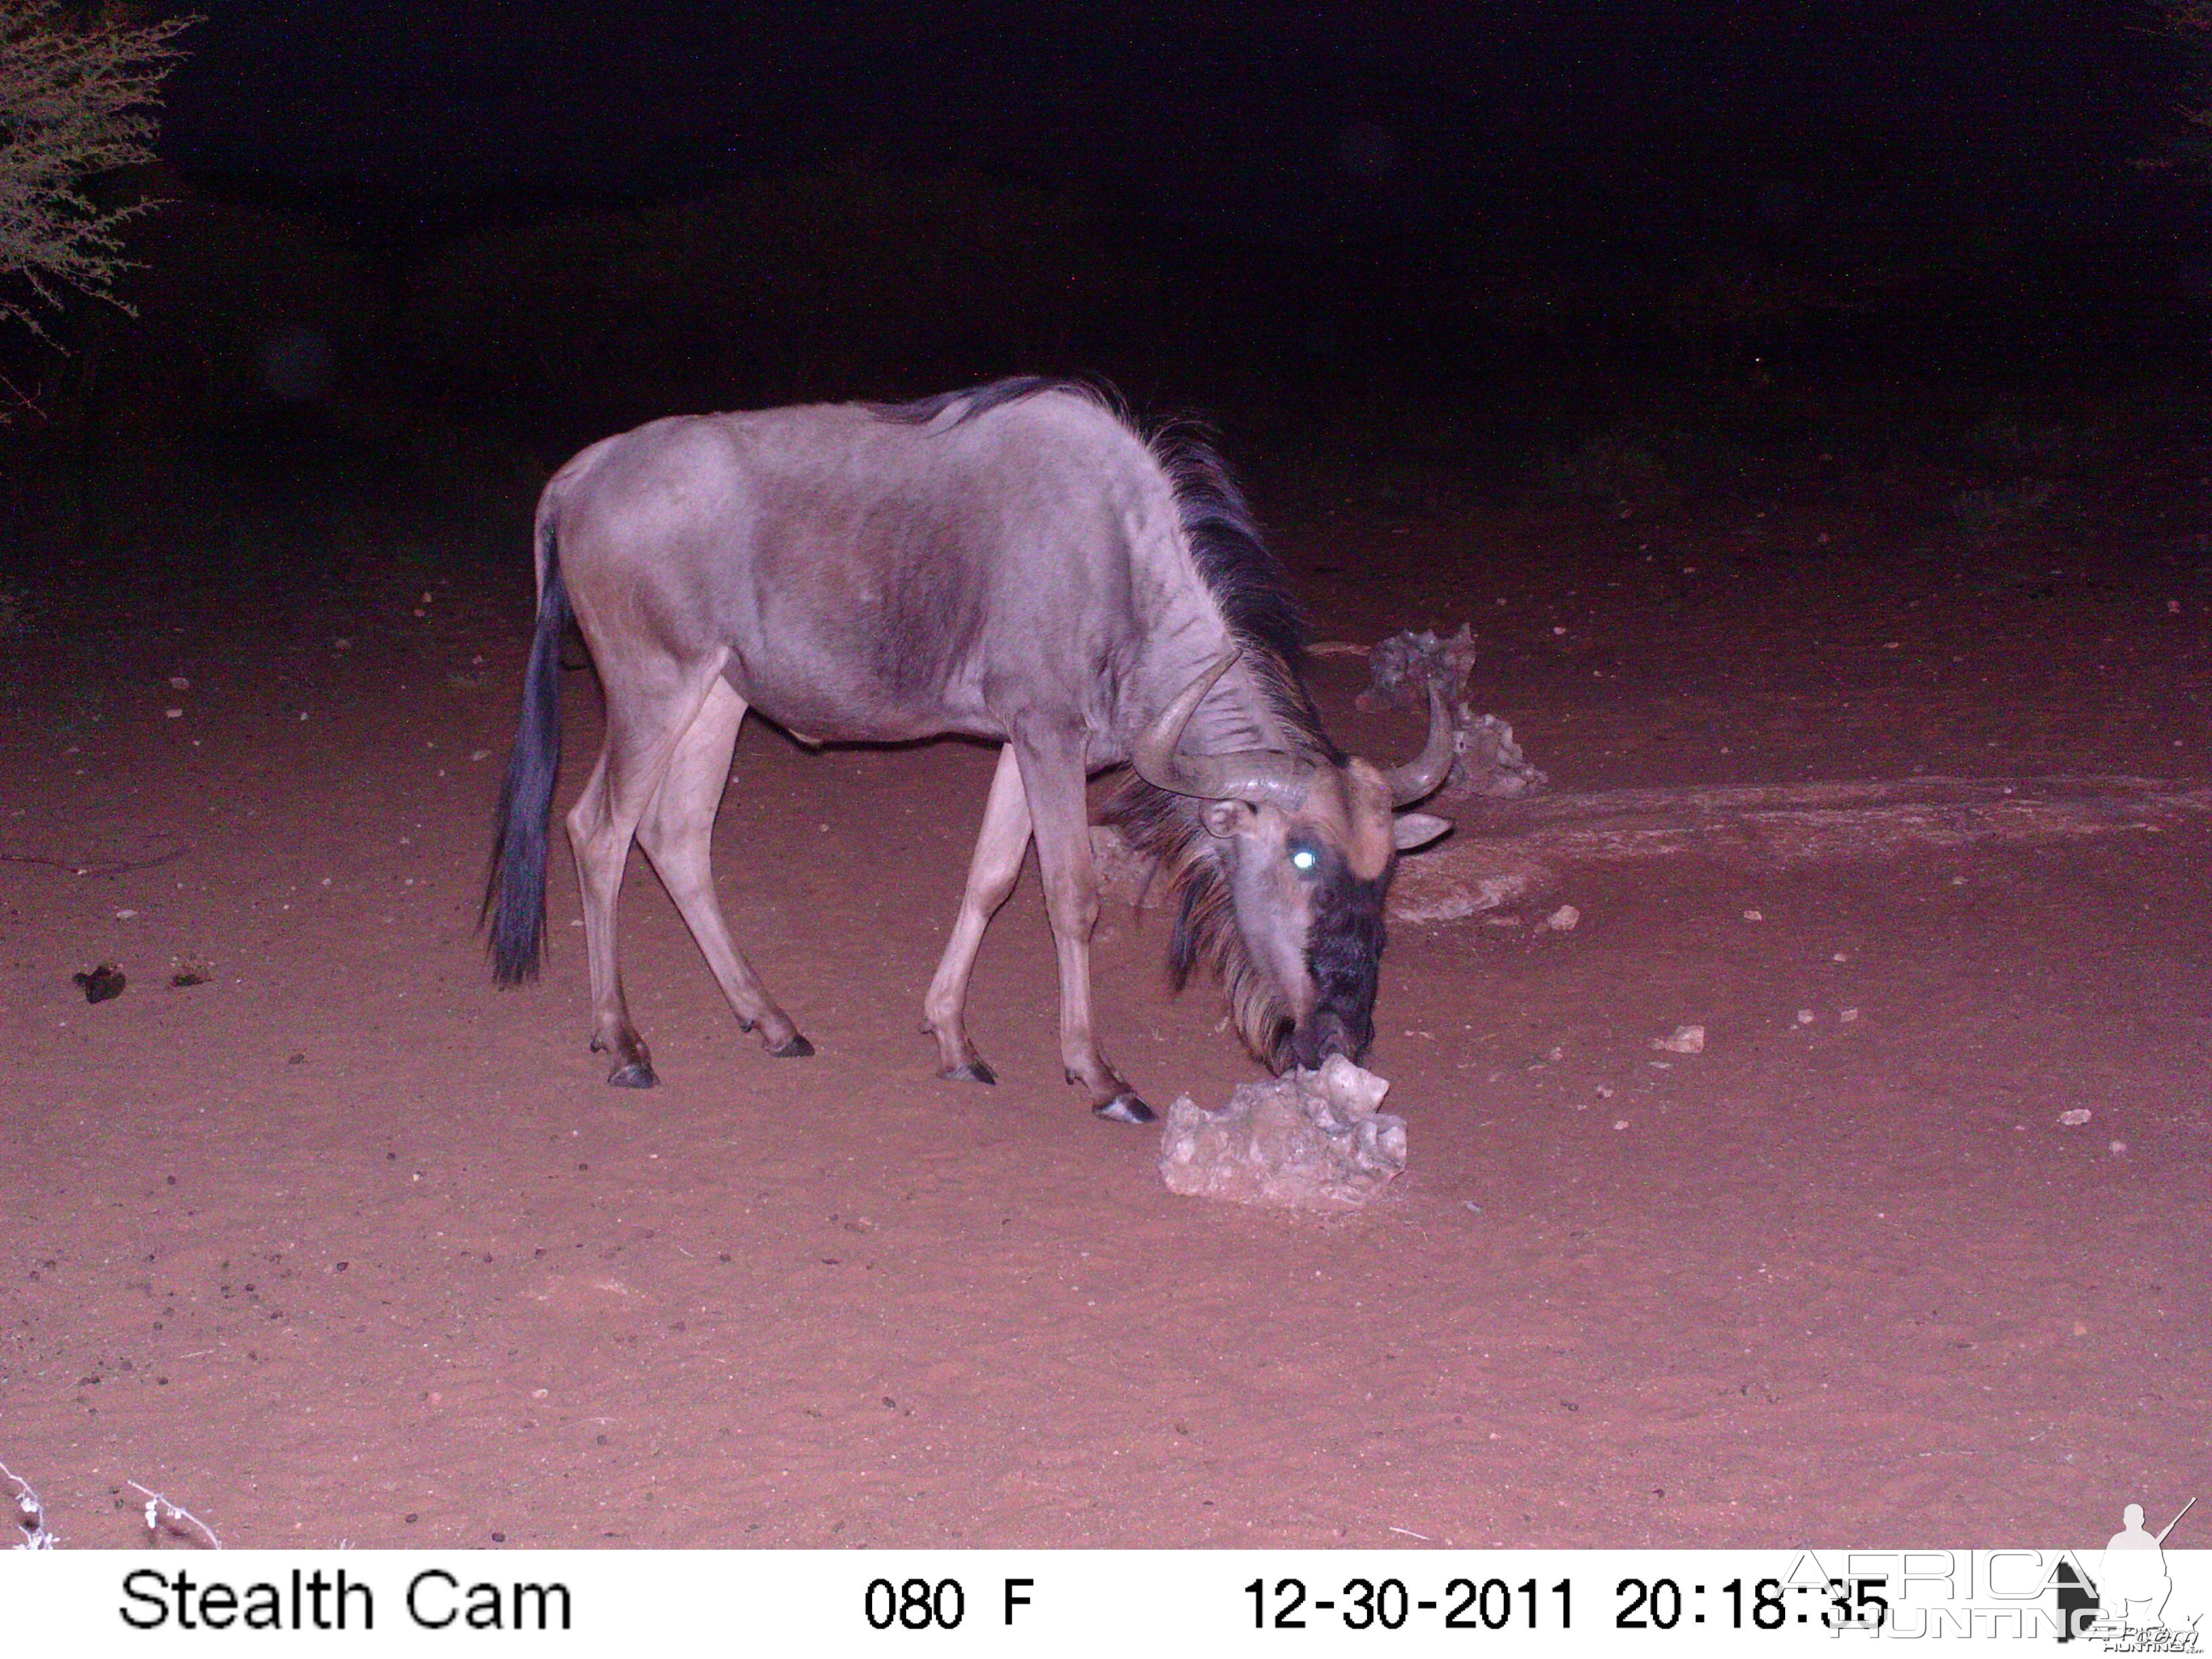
(677, 832)
(991, 872)
(1053, 775)
(645, 718)
(601, 851)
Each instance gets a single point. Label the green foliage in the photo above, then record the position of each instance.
(75, 101)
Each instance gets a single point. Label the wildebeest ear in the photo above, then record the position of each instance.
(1412, 829)
(1225, 819)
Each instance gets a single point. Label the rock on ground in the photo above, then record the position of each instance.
(1428, 887)
(1311, 1140)
(1488, 763)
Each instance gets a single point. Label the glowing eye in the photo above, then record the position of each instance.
(1304, 858)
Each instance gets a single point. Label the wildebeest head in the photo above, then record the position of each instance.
(1301, 850)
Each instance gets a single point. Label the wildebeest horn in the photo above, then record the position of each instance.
(1253, 774)
(1420, 775)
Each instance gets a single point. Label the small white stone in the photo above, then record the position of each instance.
(2074, 1119)
(1685, 1040)
(124, 915)
(174, 714)
(2119, 1147)
(1621, 1123)
(1847, 1015)
(1753, 916)
(1563, 919)
(1806, 1016)
(178, 683)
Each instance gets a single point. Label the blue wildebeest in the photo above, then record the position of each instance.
(1014, 564)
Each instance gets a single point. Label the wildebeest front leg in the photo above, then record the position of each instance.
(1052, 775)
(678, 834)
(991, 872)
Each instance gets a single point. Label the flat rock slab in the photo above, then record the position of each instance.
(1512, 852)
(1464, 878)
(1310, 1140)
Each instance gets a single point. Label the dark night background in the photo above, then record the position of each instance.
(1520, 220)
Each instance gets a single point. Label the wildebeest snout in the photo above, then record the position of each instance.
(1329, 1031)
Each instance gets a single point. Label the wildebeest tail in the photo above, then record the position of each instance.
(514, 888)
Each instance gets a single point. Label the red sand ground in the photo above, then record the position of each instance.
(344, 1245)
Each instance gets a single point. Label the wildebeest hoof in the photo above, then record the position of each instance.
(975, 1071)
(798, 1048)
(1125, 1107)
(636, 1074)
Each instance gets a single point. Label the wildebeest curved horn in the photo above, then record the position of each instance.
(1421, 776)
(1254, 774)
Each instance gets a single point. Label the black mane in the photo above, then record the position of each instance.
(1247, 580)
(982, 399)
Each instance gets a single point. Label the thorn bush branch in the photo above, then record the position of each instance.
(75, 102)
(30, 1512)
(160, 1512)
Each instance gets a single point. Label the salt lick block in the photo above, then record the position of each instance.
(1311, 1140)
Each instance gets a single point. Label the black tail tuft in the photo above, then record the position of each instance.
(514, 887)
